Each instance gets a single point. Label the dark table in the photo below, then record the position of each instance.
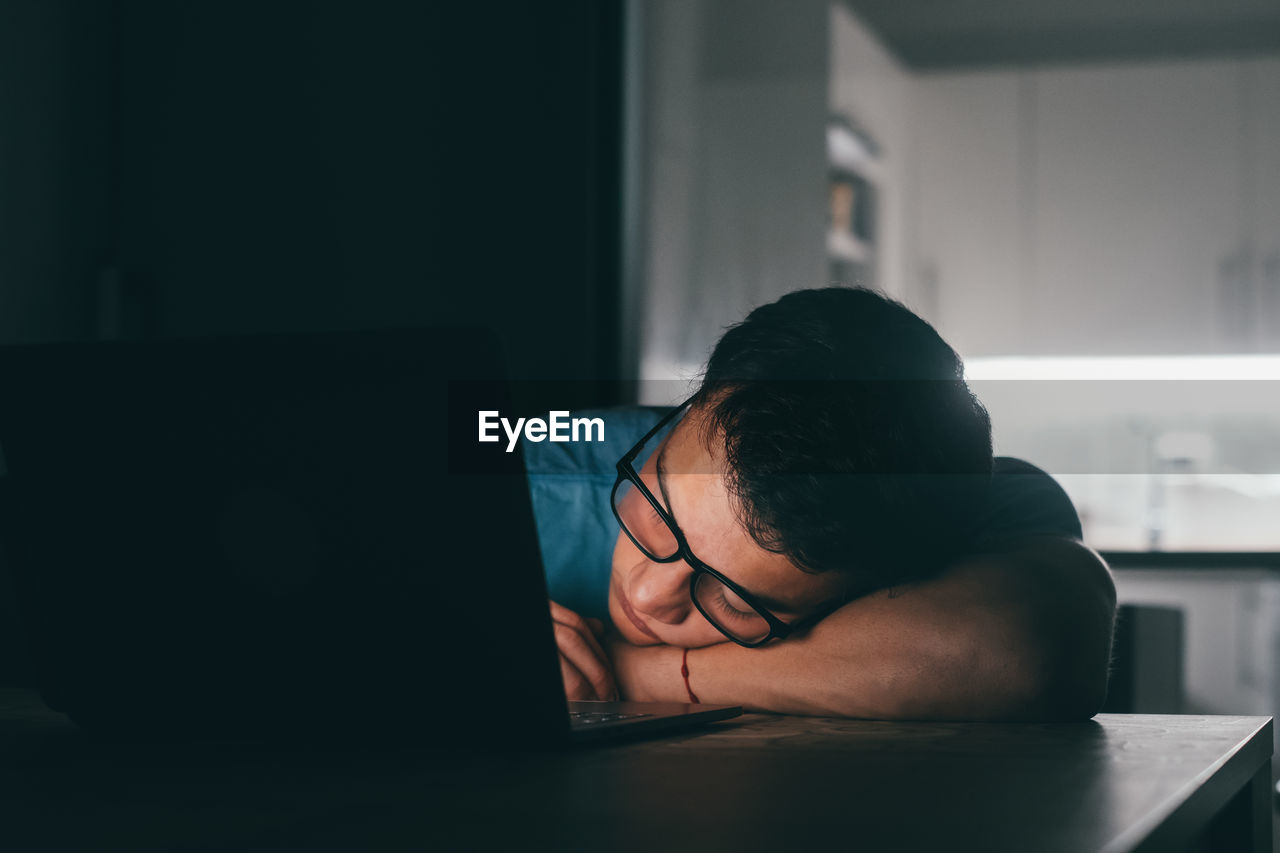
(762, 782)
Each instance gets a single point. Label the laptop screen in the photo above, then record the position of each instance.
(275, 533)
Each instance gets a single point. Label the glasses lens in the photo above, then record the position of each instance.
(642, 521)
(727, 611)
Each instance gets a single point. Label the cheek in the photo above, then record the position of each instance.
(693, 633)
(625, 556)
(625, 560)
(702, 633)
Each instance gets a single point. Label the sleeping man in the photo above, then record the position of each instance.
(821, 529)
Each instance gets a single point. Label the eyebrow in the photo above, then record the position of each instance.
(772, 604)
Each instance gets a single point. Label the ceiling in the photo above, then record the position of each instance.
(938, 34)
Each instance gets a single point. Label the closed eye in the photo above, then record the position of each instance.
(735, 608)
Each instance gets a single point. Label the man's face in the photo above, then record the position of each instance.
(649, 601)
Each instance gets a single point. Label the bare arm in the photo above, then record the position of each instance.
(1023, 632)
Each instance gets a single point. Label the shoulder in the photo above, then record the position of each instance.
(611, 433)
(1023, 500)
(570, 483)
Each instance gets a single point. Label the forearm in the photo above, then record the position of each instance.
(1023, 634)
(789, 678)
(843, 667)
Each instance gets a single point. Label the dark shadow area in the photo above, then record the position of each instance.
(213, 169)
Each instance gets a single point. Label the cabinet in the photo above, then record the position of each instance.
(1231, 633)
(1231, 623)
(1136, 210)
(1104, 209)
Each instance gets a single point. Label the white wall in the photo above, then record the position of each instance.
(1122, 208)
(733, 155)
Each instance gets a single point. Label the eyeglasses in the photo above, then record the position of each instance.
(648, 524)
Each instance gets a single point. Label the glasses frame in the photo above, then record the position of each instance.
(627, 473)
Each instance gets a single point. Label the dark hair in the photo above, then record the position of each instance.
(852, 439)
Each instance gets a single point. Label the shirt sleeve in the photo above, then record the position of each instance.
(1021, 501)
(570, 484)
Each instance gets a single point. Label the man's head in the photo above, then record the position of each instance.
(832, 449)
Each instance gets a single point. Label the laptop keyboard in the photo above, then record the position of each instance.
(587, 717)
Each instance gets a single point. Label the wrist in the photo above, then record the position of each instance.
(684, 673)
(649, 673)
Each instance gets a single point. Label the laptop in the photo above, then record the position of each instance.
(285, 537)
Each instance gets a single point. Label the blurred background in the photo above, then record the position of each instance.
(1083, 197)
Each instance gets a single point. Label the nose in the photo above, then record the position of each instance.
(661, 591)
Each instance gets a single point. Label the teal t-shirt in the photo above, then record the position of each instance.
(570, 483)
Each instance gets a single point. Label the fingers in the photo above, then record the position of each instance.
(591, 666)
(576, 685)
(584, 667)
(564, 616)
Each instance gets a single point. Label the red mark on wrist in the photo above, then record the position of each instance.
(684, 672)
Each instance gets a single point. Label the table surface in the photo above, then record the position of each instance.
(1116, 783)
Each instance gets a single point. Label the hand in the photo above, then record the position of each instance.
(584, 667)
